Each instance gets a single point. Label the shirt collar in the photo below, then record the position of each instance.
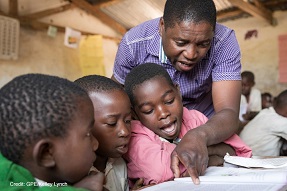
(162, 56)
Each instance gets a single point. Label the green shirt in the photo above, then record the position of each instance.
(14, 177)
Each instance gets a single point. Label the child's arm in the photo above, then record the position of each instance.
(94, 181)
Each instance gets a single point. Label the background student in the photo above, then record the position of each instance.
(267, 100)
(112, 113)
(263, 133)
(45, 135)
(251, 96)
(162, 120)
(203, 58)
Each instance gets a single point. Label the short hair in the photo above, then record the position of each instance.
(266, 94)
(177, 11)
(35, 106)
(141, 74)
(248, 75)
(281, 100)
(97, 83)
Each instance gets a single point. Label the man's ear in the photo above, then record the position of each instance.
(43, 153)
(161, 26)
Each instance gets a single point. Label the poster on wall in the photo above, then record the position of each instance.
(92, 55)
(72, 38)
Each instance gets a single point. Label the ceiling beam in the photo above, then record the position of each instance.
(260, 12)
(13, 8)
(34, 24)
(229, 14)
(96, 11)
(48, 12)
(100, 2)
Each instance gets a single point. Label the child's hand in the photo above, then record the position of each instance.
(215, 160)
(220, 149)
(139, 185)
(93, 182)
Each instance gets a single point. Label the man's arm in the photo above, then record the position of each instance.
(192, 150)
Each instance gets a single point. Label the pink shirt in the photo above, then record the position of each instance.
(149, 157)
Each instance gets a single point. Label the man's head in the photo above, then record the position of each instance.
(247, 80)
(187, 29)
(156, 101)
(112, 112)
(45, 124)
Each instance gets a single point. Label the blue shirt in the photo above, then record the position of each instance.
(142, 44)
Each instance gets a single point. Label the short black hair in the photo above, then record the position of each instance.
(248, 75)
(177, 11)
(266, 94)
(97, 83)
(281, 100)
(35, 106)
(141, 74)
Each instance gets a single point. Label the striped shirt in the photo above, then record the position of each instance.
(142, 44)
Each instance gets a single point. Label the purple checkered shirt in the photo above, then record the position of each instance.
(142, 44)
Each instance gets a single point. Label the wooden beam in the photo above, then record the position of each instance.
(229, 14)
(262, 7)
(99, 2)
(48, 12)
(44, 26)
(96, 11)
(13, 8)
(253, 10)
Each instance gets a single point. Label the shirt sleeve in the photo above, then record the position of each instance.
(226, 55)
(123, 61)
(241, 149)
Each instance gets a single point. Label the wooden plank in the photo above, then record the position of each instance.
(229, 14)
(253, 10)
(48, 12)
(96, 11)
(44, 26)
(13, 8)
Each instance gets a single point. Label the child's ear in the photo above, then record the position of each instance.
(43, 153)
(177, 87)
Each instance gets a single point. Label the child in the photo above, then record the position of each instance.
(45, 140)
(251, 102)
(270, 125)
(267, 100)
(112, 112)
(157, 103)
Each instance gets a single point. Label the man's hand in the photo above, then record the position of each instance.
(192, 153)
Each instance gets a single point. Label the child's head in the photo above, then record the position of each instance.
(280, 103)
(267, 100)
(155, 99)
(112, 112)
(45, 124)
(247, 79)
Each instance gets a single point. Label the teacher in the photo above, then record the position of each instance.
(203, 58)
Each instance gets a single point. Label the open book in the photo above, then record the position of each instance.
(230, 179)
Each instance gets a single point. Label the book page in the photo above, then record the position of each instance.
(240, 175)
(229, 178)
(276, 162)
(187, 186)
